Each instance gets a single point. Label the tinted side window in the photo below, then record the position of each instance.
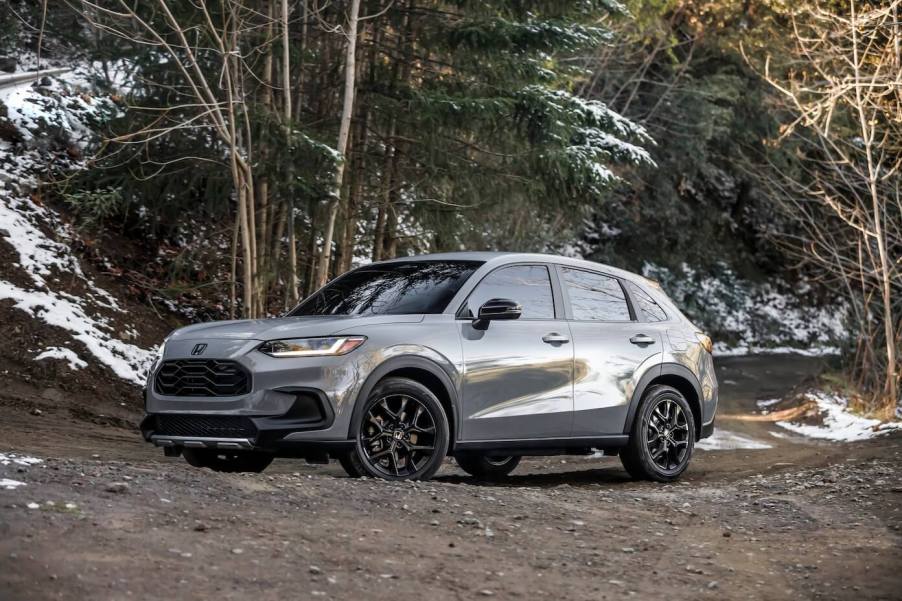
(529, 285)
(595, 297)
(651, 310)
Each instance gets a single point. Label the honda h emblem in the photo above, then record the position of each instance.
(199, 349)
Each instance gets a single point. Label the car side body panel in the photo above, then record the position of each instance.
(608, 368)
(516, 385)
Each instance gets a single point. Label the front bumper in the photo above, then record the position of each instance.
(310, 411)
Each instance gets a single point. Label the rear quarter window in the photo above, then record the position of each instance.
(647, 306)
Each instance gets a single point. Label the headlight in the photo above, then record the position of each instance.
(311, 347)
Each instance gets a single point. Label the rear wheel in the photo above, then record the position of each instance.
(231, 461)
(487, 467)
(662, 438)
(402, 435)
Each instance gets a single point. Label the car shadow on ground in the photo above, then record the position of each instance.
(576, 478)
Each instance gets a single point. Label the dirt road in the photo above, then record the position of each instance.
(112, 519)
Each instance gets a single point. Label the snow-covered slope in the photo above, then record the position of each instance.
(47, 129)
(745, 317)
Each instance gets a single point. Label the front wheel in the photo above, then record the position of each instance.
(232, 461)
(662, 437)
(487, 467)
(402, 435)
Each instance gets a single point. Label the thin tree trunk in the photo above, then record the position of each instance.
(292, 295)
(343, 133)
(233, 272)
(263, 236)
(310, 277)
(286, 63)
(867, 133)
(267, 62)
(302, 53)
(385, 200)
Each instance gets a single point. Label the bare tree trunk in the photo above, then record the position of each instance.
(868, 133)
(343, 133)
(286, 63)
(292, 296)
(288, 214)
(233, 301)
(302, 52)
(267, 62)
(385, 200)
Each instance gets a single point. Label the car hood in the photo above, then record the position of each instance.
(284, 327)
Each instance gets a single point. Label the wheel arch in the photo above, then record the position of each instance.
(421, 370)
(674, 375)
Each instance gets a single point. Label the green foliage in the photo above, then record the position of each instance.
(92, 208)
(680, 73)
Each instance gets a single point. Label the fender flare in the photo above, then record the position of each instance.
(664, 369)
(404, 362)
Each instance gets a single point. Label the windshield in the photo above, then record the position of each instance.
(391, 289)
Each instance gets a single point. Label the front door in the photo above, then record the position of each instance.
(518, 374)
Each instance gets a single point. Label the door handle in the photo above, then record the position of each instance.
(555, 338)
(641, 339)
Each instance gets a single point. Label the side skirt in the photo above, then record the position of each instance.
(546, 446)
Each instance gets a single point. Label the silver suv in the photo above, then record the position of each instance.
(484, 356)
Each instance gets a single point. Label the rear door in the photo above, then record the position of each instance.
(518, 374)
(612, 348)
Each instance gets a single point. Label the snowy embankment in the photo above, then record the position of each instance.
(831, 419)
(37, 234)
(747, 318)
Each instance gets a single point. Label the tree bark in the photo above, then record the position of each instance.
(343, 132)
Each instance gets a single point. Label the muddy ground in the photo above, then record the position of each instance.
(110, 518)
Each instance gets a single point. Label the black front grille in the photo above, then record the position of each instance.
(202, 377)
(205, 426)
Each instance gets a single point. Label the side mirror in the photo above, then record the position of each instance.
(497, 308)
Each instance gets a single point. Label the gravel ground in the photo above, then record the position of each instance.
(105, 517)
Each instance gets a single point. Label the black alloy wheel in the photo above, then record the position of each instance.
(662, 437)
(487, 467)
(403, 433)
(667, 435)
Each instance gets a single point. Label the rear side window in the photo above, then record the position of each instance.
(595, 297)
(529, 285)
(651, 310)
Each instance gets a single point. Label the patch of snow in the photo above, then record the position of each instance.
(723, 350)
(10, 484)
(37, 234)
(724, 440)
(8, 458)
(61, 352)
(128, 361)
(839, 424)
(765, 403)
(33, 505)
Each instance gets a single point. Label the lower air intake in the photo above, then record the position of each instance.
(205, 426)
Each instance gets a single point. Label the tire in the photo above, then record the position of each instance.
(664, 461)
(387, 433)
(485, 467)
(231, 461)
(347, 463)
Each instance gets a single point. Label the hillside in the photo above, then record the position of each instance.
(83, 343)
